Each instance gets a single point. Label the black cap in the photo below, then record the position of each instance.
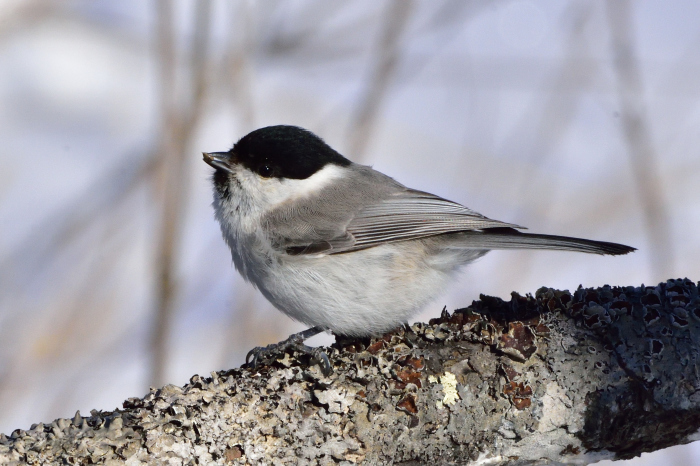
(285, 152)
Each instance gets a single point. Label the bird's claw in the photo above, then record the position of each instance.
(262, 354)
(321, 358)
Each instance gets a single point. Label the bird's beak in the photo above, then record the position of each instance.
(218, 160)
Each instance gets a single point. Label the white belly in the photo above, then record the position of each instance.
(361, 293)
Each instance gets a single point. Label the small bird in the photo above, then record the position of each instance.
(342, 247)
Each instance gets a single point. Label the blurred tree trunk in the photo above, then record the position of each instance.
(178, 126)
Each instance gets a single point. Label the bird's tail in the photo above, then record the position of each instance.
(510, 238)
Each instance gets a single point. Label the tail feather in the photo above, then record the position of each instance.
(510, 238)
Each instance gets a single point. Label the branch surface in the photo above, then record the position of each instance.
(559, 377)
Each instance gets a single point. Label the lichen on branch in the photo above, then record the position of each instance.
(564, 377)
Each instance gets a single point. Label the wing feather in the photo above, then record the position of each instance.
(381, 211)
(411, 214)
(378, 210)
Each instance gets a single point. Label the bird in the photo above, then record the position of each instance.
(342, 247)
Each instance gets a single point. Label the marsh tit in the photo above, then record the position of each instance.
(342, 247)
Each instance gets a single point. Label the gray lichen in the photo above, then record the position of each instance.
(559, 377)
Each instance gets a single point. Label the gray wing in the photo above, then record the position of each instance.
(414, 214)
(411, 214)
(385, 211)
(401, 215)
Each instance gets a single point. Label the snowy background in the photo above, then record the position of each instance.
(569, 117)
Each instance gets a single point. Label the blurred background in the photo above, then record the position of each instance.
(570, 117)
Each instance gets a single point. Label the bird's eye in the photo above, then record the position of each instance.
(265, 171)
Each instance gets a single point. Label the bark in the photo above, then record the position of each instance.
(555, 378)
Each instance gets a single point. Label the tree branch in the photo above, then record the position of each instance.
(560, 377)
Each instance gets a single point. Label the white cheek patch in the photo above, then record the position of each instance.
(269, 193)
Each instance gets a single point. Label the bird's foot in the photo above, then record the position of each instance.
(269, 353)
